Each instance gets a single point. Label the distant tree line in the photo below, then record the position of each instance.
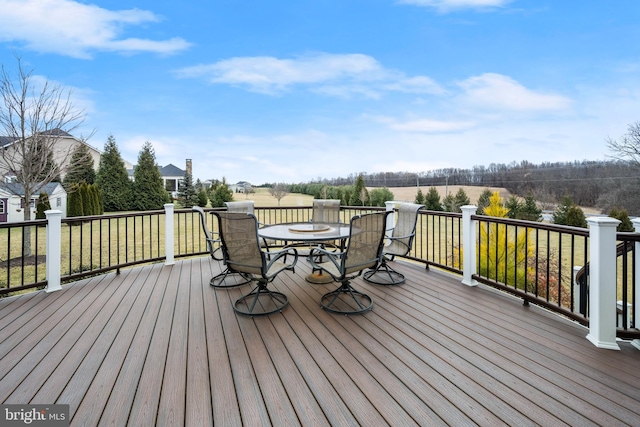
(600, 184)
(355, 194)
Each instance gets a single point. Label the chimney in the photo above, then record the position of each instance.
(189, 171)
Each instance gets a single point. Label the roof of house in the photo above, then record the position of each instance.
(171, 170)
(4, 140)
(18, 189)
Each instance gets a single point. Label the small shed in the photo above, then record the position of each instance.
(12, 205)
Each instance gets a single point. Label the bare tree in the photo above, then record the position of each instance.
(279, 191)
(628, 146)
(247, 188)
(33, 115)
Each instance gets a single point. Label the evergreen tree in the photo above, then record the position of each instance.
(483, 201)
(514, 206)
(74, 202)
(380, 195)
(220, 193)
(202, 198)
(530, 210)
(81, 167)
(432, 200)
(98, 198)
(187, 195)
(42, 205)
(87, 208)
(112, 179)
(453, 203)
(496, 206)
(344, 194)
(148, 189)
(567, 213)
(461, 198)
(360, 195)
(575, 217)
(623, 216)
(419, 197)
(560, 214)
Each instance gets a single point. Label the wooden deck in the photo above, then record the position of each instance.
(156, 345)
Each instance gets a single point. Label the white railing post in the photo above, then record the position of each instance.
(602, 282)
(54, 251)
(636, 303)
(168, 234)
(468, 245)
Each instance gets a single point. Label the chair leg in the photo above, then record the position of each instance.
(346, 300)
(383, 274)
(230, 279)
(260, 301)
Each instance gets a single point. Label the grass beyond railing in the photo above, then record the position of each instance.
(534, 261)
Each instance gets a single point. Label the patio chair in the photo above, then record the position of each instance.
(227, 278)
(242, 253)
(326, 211)
(364, 249)
(398, 244)
(241, 207)
(248, 208)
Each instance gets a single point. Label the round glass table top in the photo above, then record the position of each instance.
(304, 231)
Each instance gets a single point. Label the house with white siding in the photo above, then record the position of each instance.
(12, 204)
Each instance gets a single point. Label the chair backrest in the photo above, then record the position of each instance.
(242, 207)
(240, 244)
(366, 238)
(326, 211)
(405, 227)
(205, 230)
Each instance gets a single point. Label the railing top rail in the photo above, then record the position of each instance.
(578, 231)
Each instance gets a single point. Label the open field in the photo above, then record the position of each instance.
(409, 193)
(262, 198)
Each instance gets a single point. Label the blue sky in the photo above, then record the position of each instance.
(282, 91)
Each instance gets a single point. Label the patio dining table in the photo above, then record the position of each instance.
(313, 234)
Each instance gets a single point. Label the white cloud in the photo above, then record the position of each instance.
(268, 74)
(431, 126)
(500, 92)
(70, 28)
(341, 75)
(445, 6)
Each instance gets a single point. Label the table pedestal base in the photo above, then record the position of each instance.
(319, 278)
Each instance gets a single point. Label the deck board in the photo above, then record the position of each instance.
(156, 345)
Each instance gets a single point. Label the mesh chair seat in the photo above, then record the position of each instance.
(364, 249)
(243, 254)
(399, 244)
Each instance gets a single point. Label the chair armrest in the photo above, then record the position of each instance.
(401, 237)
(275, 256)
(216, 253)
(334, 257)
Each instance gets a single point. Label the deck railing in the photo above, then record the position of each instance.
(534, 261)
